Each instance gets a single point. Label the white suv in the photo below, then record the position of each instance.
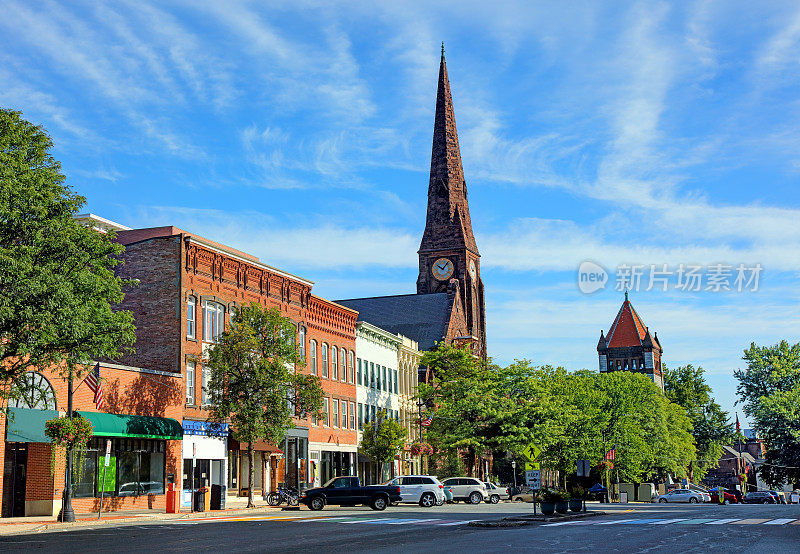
(424, 490)
(469, 489)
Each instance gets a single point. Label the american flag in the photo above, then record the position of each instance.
(611, 454)
(427, 422)
(93, 380)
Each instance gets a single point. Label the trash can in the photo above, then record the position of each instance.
(218, 493)
(200, 500)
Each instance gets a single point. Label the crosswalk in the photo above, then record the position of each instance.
(680, 521)
(344, 520)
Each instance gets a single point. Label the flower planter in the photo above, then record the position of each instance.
(575, 504)
(548, 508)
(562, 507)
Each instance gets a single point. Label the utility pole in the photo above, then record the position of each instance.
(67, 514)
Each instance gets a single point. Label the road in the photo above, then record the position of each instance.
(626, 528)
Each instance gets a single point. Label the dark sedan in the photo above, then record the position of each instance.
(759, 497)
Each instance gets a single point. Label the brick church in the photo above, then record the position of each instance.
(449, 304)
(629, 346)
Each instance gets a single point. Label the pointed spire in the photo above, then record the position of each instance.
(626, 295)
(442, 49)
(445, 154)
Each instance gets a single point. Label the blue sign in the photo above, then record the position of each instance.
(205, 428)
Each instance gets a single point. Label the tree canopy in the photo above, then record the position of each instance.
(254, 384)
(769, 387)
(59, 290)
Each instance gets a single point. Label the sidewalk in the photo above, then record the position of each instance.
(36, 524)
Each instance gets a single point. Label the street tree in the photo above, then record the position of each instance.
(686, 386)
(382, 439)
(255, 383)
(769, 387)
(58, 288)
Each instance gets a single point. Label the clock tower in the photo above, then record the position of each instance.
(448, 256)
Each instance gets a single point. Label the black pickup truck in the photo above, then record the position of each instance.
(347, 491)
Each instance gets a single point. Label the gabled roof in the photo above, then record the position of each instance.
(627, 329)
(421, 317)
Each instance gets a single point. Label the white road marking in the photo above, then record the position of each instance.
(722, 521)
(782, 521)
(668, 521)
(456, 523)
(614, 522)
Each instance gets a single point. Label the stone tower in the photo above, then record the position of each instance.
(629, 346)
(448, 256)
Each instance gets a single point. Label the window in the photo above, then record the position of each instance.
(191, 309)
(190, 368)
(324, 360)
(301, 341)
(214, 320)
(352, 415)
(136, 468)
(343, 365)
(32, 391)
(326, 421)
(206, 386)
(384, 377)
(358, 366)
(360, 415)
(395, 381)
(389, 380)
(334, 364)
(312, 353)
(351, 374)
(372, 381)
(335, 412)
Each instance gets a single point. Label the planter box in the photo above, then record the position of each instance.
(562, 507)
(575, 504)
(548, 508)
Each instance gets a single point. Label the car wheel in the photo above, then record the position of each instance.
(440, 502)
(693, 500)
(379, 503)
(518, 499)
(662, 500)
(427, 500)
(475, 498)
(494, 499)
(317, 503)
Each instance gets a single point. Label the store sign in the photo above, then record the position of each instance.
(204, 428)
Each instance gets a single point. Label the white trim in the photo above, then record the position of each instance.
(140, 369)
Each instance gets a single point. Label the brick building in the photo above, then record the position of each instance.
(188, 288)
(630, 346)
(140, 416)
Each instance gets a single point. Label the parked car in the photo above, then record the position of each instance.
(448, 494)
(681, 495)
(347, 491)
(468, 489)
(496, 492)
(424, 490)
(524, 496)
(728, 497)
(706, 496)
(779, 497)
(759, 497)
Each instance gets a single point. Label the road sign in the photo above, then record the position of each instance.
(108, 452)
(533, 478)
(531, 452)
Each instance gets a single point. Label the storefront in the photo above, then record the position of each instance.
(266, 467)
(334, 461)
(137, 472)
(295, 467)
(205, 461)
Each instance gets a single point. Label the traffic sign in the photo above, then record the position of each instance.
(108, 452)
(533, 478)
(531, 452)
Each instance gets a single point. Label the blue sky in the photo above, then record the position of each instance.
(638, 133)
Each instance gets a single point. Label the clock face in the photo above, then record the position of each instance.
(472, 270)
(442, 269)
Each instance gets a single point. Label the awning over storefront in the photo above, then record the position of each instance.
(26, 425)
(142, 427)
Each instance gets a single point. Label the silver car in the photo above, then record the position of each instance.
(682, 495)
(468, 489)
(496, 493)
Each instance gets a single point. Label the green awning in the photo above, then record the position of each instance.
(142, 427)
(26, 425)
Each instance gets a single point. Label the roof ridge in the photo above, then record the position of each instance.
(388, 296)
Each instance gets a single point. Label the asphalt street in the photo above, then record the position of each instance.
(628, 528)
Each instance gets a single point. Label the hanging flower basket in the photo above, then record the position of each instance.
(69, 432)
(421, 448)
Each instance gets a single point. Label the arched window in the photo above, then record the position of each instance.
(343, 365)
(312, 354)
(324, 360)
(33, 391)
(334, 363)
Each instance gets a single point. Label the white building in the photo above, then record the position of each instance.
(377, 387)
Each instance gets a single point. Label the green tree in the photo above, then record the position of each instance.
(687, 387)
(58, 287)
(770, 389)
(382, 439)
(254, 383)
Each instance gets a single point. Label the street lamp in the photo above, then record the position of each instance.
(514, 471)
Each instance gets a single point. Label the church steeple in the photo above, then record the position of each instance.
(448, 222)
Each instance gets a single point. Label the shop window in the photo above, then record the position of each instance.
(191, 316)
(190, 373)
(325, 360)
(213, 320)
(136, 467)
(334, 363)
(312, 354)
(325, 419)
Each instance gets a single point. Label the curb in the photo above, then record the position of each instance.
(523, 521)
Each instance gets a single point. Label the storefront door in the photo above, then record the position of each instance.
(15, 479)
